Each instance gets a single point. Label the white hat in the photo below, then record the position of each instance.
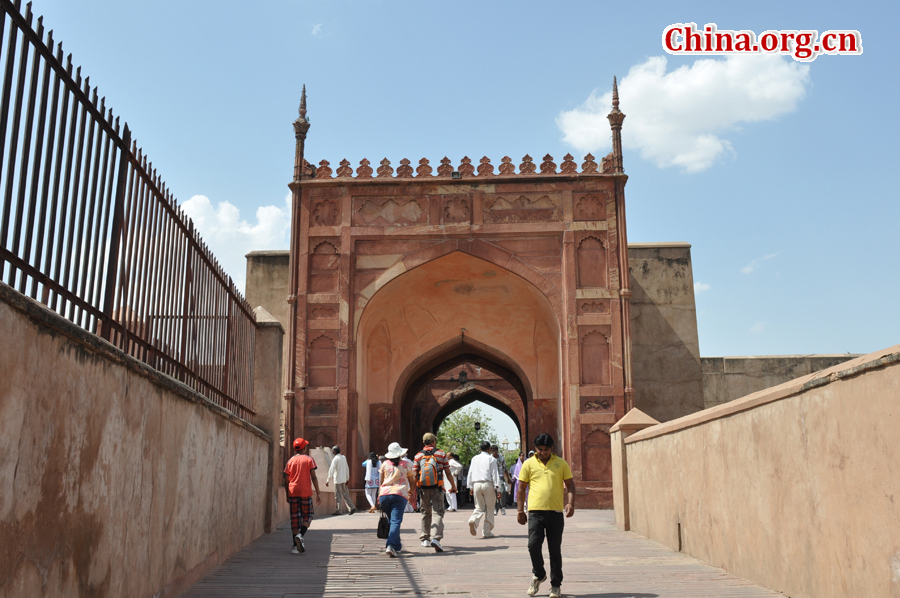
(394, 451)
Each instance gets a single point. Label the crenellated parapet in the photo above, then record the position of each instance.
(466, 169)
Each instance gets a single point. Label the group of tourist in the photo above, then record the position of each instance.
(395, 482)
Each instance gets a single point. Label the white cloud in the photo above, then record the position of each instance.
(758, 327)
(317, 29)
(230, 238)
(701, 287)
(678, 118)
(754, 264)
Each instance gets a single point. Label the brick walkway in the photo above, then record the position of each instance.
(343, 558)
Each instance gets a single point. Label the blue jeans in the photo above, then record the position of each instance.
(393, 505)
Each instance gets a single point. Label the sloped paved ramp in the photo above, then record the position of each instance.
(343, 558)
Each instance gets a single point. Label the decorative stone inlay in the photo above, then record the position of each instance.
(594, 307)
(364, 171)
(445, 169)
(385, 169)
(590, 207)
(548, 166)
(597, 404)
(511, 209)
(506, 166)
(527, 166)
(391, 211)
(465, 168)
(404, 170)
(323, 171)
(344, 170)
(485, 168)
(423, 170)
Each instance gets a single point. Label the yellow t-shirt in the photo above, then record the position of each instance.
(546, 489)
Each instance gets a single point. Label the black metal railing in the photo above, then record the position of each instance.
(88, 228)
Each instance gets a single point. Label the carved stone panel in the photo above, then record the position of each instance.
(595, 367)
(321, 408)
(591, 259)
(514, 207)
(321, 436)
(321, 311)
(590, 207)
(389, 211)
(457, 209)
(598, 404)
(593, 306)
(596, 453)
(326, 212)
(324, 266)
(322, 362)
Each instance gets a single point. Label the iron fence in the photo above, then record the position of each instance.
(89, 229)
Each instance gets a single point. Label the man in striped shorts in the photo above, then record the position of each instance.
(299, 479)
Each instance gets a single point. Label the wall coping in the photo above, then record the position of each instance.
(269, 253)
(849, 356)
(678, 244)
(45, 317)
(860, 365)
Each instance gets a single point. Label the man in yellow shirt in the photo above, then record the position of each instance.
(547, 478)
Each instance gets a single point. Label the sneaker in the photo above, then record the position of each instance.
(554, 592)
(390, 551)
(352, 511)
(503, 511)
(472, 528)
(298, 543)
(488, 535)
(437, 546)
(535, 585)
(426, 543)
(294, 550)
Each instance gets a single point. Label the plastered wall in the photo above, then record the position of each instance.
(794, 487)
(116, 481)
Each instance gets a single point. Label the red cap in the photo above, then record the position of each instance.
(300, 444)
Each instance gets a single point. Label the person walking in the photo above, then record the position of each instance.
(299, 479)
(548, 479)
(372, 465)
(515, 476)
(429, 468)
(483, 482)
(339, 471)
(452, 479)
(396, 480)
(504, 480)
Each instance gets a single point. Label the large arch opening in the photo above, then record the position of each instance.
(455, 310)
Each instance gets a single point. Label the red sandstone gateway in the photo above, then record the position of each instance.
(399, 279)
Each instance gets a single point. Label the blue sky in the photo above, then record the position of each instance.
(789, 200)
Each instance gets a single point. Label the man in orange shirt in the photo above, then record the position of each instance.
(299, 479)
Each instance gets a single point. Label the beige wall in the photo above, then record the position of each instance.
(665, 347)
(117, 481)
(268, 282)
(729, 378)
(794, 487)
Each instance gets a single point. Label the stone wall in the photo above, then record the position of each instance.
(665, 348)
(729, 378)
(117, 480)
(794, 487)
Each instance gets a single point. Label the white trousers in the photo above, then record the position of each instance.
(485, 498)
(371, 495)
(451, 500)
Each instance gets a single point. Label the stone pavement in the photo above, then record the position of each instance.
(344, 558)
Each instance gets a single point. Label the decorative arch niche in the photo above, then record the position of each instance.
(595, 367)
(592, 266)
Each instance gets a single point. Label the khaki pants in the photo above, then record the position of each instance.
(485, 498)
(432, 508)
(342, 495)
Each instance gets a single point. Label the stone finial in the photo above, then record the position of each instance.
(364, 171)
(385, 170)
(616, 117)
(323, 171)
(301, 127)
(589, 166)
(465, 167)
(527, 166)
(485, 168)
(423, 169)
(404, 170)
(615, 98)
(548, 166)
(445, 169)
(506, 166)
(344, 170)
(568, 166)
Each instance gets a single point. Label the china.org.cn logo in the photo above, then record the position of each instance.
(803, 46)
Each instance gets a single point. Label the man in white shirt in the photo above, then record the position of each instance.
(484, 483)
(339, 471)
